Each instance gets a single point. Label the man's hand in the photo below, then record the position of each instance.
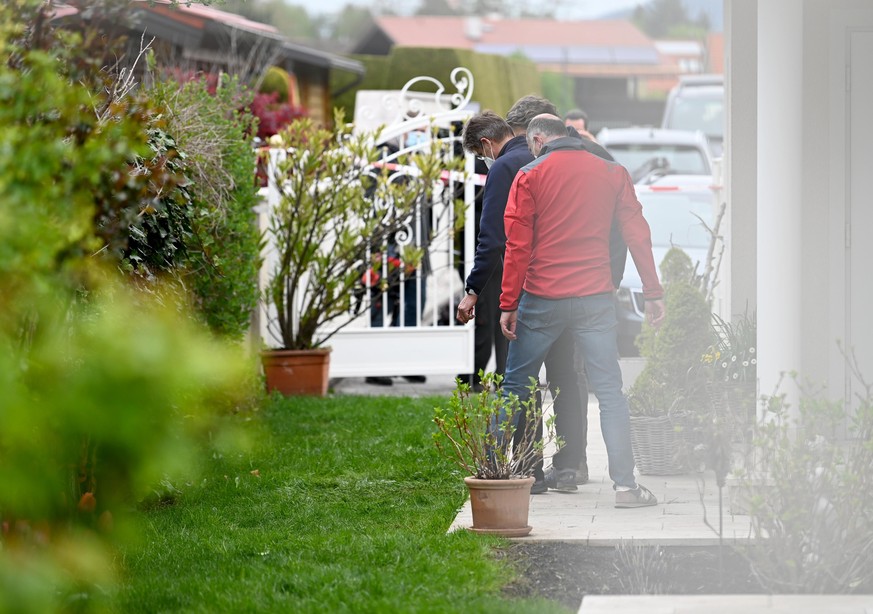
(508, 320)
(466, 311)
(655, 312)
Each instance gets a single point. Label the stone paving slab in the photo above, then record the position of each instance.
(727, 604)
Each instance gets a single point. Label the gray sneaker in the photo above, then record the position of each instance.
(582, 473)
(641, 497)
(562, 480)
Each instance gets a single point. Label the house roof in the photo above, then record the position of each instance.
(199, 15)
(198, 26)
(467, 32)
(589, 45)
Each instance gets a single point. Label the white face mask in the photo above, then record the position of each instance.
(488, 161)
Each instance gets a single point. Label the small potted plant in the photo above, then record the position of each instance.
(496, 440)
(336, 206)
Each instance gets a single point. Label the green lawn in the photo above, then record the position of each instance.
(349, 513)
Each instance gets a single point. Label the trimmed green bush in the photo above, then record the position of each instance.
(498, 81)
(671, 379)
(276, 81)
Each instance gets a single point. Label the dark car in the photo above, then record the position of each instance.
(674, 206)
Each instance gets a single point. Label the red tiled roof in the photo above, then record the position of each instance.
(199, 13)
(454, 32)
(193, 14)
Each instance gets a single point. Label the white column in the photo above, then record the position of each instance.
(737, 289)
(780, 168)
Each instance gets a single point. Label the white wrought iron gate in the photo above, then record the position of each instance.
(409, 328)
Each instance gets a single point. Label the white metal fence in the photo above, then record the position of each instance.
(408, 327)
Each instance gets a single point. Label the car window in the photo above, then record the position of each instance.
(671, 217)
(681, 159)
(698, 113)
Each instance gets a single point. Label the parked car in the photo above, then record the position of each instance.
(674, 207)
(697, 103)
(644, 150)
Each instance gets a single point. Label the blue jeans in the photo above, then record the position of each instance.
(591, 321)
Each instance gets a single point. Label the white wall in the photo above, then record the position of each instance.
(785, 163)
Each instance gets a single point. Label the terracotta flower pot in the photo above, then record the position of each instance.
(500, 507)
(296, 372)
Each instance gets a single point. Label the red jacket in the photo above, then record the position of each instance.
(557, 222)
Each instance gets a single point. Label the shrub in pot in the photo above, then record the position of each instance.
(336, 207)
(496, 440)
(668, 397)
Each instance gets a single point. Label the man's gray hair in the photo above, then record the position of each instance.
(546, 126)
(526, 108)
(485, 125)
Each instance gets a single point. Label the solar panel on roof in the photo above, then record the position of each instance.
(581, 54)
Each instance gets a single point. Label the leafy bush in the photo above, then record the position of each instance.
(102, 390)
(107, 399)
(335, 207)
(808, 493)
(274, 115)
(671, 381)
(55, 155)
(213, 128)
(278, 81)
(489, 436)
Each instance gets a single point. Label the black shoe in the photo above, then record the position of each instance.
(562, 480)
(539, 487)
(379, 381)
(415, 379)
(582, 473)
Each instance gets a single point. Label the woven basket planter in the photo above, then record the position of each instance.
(659, 448)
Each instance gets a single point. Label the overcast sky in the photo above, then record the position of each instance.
(569, 9)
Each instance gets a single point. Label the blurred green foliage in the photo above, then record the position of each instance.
(276, 81)
(104, 388)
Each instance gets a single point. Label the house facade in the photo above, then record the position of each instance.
(194, 36)
(799, 149)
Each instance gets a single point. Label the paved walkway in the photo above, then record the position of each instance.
(727, 604)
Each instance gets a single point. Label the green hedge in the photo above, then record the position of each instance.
(497, 81)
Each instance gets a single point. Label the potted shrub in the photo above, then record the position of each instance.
(335, 207)
(496, 441)
(670, 392)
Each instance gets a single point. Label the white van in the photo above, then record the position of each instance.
(697, 103)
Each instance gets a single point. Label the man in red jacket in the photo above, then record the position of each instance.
(556, 278)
